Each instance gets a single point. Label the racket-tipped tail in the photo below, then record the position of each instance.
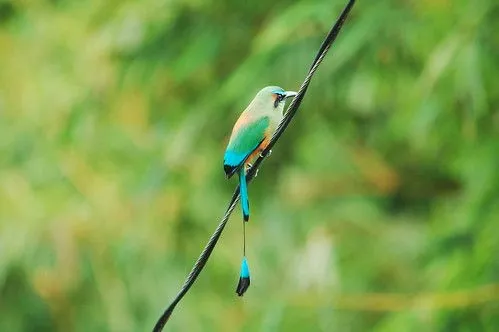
(244, 278)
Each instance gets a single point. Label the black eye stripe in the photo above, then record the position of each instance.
(279, 97)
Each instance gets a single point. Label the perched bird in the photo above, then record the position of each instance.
(252, 133)
(250, 136)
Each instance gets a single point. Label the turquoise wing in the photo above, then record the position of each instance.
(245, 141)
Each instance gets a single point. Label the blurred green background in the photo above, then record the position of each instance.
(377, 211)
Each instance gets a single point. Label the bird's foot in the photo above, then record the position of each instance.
(249, 166)
(268, 154)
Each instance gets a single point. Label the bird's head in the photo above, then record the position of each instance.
(274, 96)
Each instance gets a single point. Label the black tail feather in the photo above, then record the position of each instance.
(243, 285)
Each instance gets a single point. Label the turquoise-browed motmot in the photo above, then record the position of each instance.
(250, 136)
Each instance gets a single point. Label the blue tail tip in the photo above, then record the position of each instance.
(244, 278)
(244, 268)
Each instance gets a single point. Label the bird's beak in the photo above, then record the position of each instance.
(290, 94)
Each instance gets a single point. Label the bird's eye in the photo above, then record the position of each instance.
(278, 98)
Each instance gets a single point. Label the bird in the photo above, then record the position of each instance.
(252, 133)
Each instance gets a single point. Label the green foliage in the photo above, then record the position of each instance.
(377, 211)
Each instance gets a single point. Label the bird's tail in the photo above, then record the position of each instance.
(243, 189)
(244, 278)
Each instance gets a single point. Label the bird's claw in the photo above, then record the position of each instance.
(268, 154)
(250, 166)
